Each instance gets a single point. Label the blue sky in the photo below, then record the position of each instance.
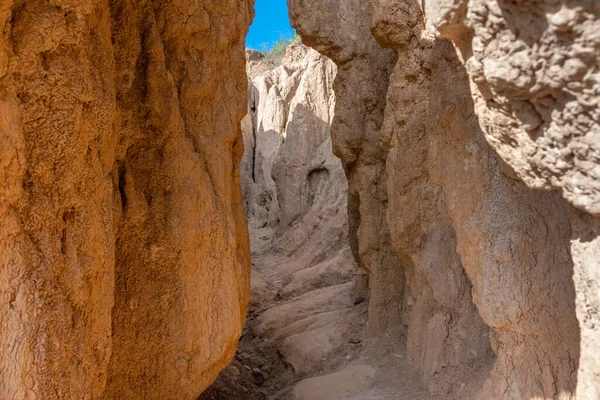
(270, 24)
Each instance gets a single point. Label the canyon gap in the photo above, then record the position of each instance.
(469, 135)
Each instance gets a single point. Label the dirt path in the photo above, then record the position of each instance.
(301, 324)
(304, 340)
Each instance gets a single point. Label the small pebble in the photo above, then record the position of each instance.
(259, 378)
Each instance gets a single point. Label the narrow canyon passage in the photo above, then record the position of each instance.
(454, 279)
(416, 213)
(307, 335)
(306, 316)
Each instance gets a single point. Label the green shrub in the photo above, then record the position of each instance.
(274, 56)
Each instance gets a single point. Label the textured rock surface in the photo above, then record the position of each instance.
(120, 234)
(475, 249)
(534, 68)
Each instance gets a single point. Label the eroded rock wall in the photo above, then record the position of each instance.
(534, 76)
(534, 71)
(124, 261)
(294, 187)
(483, 261)
(342, 33)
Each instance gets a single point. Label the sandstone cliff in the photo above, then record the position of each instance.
(467, 190)
(443, 146)
(124, 263)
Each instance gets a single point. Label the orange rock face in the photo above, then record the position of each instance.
(124, 261)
